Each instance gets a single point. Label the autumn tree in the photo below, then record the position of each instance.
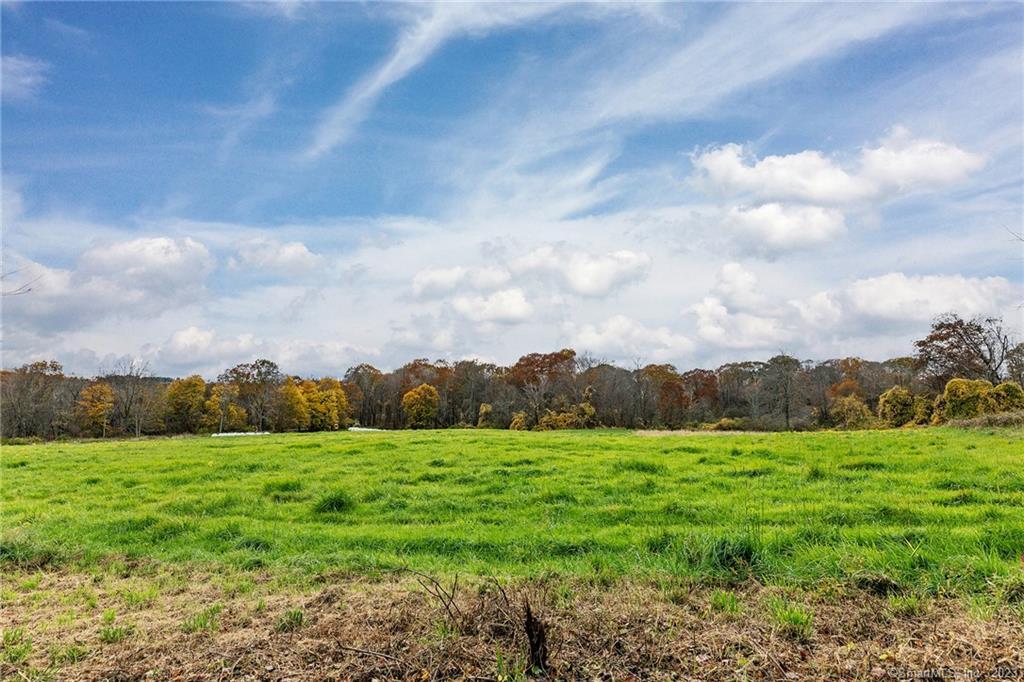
(333, 393)
(784, 387)
(128, 380)
(184, 404)
(1015, 364)
(257, 383)
(420, 406)
(221, 411)
(363, 385)
(94, 407)
(964, 349)
(292, 408)
(38, 400)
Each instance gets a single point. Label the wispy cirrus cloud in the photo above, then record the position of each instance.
(429, 29)
(22, 77)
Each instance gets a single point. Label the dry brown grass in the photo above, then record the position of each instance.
(360, 629)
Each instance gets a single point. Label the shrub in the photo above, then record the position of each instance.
(1002, 419)
(336, 502)
(896, 406)
(922, 410)
(484, 417)
(966, 398)
(850, 412)
(519, 422)
(420, 406)
(727, 424)
(579, 416)
(1008, 397)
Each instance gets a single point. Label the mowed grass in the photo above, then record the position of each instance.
(933, 510)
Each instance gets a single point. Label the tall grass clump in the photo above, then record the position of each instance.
(334, 503)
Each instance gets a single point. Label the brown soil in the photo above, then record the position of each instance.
(411, 628)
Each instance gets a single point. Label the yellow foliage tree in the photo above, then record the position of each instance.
(334, 392)
(221, 412)
(184, 404)
(292, 408)
(420, 406)
(92, 411)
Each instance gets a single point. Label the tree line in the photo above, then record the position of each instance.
(962, 368)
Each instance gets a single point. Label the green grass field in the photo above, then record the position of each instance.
(933, 510)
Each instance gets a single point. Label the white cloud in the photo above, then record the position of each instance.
(149, 263)
(625, 338)
(737, 286)
(437, 281)
(716, 323)
(777, 228)
(903, 164)
(433, 26)
(896, 296)
(806, 176)
(898, 164)
(506, 306)
(141, 278)
(22, 77)
(821, 310)
(434, 282)
(586, 274)
(195, 348)
(262, 254)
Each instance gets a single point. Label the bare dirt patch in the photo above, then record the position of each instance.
(189, 626)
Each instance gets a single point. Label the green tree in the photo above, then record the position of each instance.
(420, 406)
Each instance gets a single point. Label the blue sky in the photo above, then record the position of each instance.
(197, 184)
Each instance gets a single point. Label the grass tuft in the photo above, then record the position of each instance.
(290, 621)
(792, 620)
(207, 620)
(335, 503)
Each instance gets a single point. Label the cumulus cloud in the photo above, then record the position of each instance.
(586, 274)
(776, 228)
(900, 163)
(897, 299)
(896, 296)
(433, 282)
(807, 176)
(728, 329)
(623, 337)
(263, 254)
(505, 306)
(737, 286)
(821, 310)
(22, 77)
(210, 352)
(141, 277)
(149, 263)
